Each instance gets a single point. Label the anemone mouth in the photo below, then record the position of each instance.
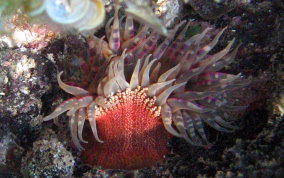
(131, 103)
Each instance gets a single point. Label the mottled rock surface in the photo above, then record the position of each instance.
(48, 158)
(10, 153)
(24, 78)
(212, 9)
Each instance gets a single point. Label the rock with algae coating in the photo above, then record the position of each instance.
(10, 153)
(24, 78)
(48, 158)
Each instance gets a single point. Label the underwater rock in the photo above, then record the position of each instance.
(209, 9)
(24, 78)
(259, 157)
(33, 36)
(48, 158)
(10, 153)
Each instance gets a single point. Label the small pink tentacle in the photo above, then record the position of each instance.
(76, 91)
(114, 40)
(129, 28)
(63, 107)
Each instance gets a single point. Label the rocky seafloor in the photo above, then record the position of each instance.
(30, 148)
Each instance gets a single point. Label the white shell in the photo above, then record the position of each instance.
(80, 14)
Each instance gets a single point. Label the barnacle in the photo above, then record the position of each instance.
(135, 85)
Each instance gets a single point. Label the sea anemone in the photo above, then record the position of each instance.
(138, 90)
